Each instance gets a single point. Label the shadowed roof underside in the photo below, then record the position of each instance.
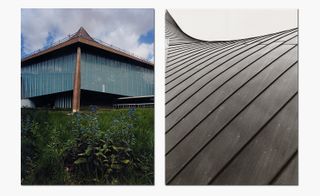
(231, 109)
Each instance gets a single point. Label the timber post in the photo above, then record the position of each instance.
(76, 83)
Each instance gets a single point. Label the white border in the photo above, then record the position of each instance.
(309, 99)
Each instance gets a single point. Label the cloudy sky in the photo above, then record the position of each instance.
(229, 24)
(128, 29)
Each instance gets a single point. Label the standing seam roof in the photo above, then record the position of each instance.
(231, 109)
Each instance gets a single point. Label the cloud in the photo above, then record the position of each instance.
(119, 27)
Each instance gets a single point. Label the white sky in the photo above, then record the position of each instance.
(233, 24)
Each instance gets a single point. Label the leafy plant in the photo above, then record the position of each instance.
(109, 147)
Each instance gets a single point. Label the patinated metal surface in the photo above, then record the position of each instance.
(231, 109)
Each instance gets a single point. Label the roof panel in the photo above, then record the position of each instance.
(224, 97)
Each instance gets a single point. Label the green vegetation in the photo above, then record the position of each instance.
(92, 147)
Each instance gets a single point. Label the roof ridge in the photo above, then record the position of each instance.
(82, 33)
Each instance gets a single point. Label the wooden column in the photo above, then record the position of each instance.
(76, 83)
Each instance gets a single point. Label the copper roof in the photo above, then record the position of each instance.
(82, 36)
(82, 33)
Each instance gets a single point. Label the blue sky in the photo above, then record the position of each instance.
(128, 29)
(148, 37)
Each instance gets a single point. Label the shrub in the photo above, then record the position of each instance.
(82, 150)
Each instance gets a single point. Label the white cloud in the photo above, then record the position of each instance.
(120, 27)
(129, 41)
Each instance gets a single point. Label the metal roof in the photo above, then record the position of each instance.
(81, 36)
(82, 33)
(231, 109)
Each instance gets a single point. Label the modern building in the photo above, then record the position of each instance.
(80, 70)
(231, 109)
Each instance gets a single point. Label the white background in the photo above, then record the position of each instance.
(309, 99)
(231, 24)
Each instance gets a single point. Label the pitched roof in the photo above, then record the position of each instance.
(82, 33)
(231, 109)
(82, 36)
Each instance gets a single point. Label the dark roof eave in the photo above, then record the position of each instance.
(51, 49)
(112, 50)
(87, 42)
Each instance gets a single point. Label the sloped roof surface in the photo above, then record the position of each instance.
(82, 33)
(82, 36)
(231, 109)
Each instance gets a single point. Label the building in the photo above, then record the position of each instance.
(80, 71)
(231, 109)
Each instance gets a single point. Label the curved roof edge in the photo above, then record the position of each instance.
(170, 19)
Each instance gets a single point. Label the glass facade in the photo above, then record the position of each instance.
(110, 75)
(99, 72)
(48, 76)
